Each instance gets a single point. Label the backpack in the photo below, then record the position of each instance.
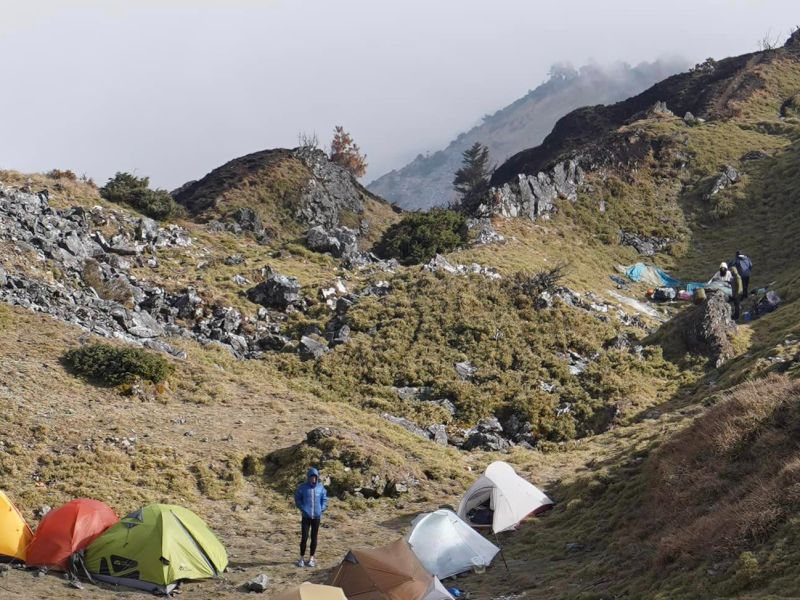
(664, 294)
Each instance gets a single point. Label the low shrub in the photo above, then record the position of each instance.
(125, 188)
(418, 237)
(116, 366)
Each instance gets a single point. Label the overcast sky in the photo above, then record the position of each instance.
(174, 88)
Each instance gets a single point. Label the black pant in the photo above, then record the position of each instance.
(306, 524)
(735, 300)
(745, 286)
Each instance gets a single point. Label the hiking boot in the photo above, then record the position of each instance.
(311, 562)
(301, 562)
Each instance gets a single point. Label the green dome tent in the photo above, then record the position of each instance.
(155, 548)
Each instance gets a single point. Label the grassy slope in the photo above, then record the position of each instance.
(607, 536)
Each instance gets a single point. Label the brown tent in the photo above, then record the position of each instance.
(390, 572)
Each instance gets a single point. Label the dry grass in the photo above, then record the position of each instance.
(741, 460)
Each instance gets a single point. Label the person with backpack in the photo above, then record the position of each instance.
(744, 265)
(311, 499)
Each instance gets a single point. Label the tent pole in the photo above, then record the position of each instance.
(502, 555)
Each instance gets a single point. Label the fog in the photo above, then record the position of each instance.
(173, 88)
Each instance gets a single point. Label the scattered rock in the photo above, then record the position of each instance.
(492, 442)
(754, 155)
(258, 584)
(407, 425)
(438, 433)
(440, 264)
(40, 512)
(728, 177)
(465, 370)
(484, 232)
(645, 245)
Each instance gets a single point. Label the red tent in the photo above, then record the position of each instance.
(66, 530)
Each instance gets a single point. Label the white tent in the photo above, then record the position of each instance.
(509, 495)
(446, 545)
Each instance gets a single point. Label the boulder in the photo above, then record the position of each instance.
(728, 177)
(311, 349)
(438, 433)
(709, 329)
(247, 219)
(340, 242)
(277, 291)
(138, 323)
(492, 442)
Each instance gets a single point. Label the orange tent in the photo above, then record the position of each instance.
(68, 529)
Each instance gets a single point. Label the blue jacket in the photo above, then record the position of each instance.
(311, 500)
(743, 265)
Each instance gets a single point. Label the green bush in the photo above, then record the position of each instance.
(418, 237)
(117, 366)
(135, 191)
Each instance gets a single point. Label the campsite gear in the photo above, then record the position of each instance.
(664, 294)
(455, 592)
(390, 572)
(15, 535)
(446, 545)
(699, 295)
(650, 293)
(747, 316)
(649, 274)
(767, 304)
(155, 548)
(720, 286)
(312, 591)
(693, 285)
(508, 495)
(684, 295)
(68, 529)
(311, 500)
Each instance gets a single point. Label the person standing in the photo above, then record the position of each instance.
(744, 265)
(311, 499)
(736, 291)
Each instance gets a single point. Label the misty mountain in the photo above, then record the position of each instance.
(427, 180)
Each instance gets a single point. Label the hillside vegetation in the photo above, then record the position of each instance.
(673, 477)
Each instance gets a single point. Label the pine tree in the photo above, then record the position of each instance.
(472, 179)
(346, 153)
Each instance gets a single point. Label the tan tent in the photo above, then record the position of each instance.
(312, 591)
(390, 572)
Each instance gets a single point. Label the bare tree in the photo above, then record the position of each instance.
(308, 140)
(768, 42)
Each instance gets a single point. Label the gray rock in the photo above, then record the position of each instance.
(233, 260)
(489, 425)
(727, 178)
(139, 324)
(645, 245)
(438, 433)
(278, 291)
(465, 370)
(394, 489)
(189, 305)
(146, 230)
(492, 442)
(40, 512)
(414, 393)
(311, 349)
(407, 425)
(258, 584)
(247, 220)
(484, 232)
(533, 196)
(754, 155)
(338, 241)
(445, 404)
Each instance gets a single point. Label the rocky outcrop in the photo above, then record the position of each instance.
(727, 178)
(277, 291)
(534, 196)
(319, 191)
(439, 264)
(709, 329)
(643, 244)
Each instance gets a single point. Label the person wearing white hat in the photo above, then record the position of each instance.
(721, 276)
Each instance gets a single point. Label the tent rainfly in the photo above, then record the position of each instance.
(446, 545)
(68, 529)
(390, 572)
(507, 496)
(155, 548)
(312, 591)
(15, 535)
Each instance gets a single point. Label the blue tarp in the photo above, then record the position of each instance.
(652, 275)
(692, 286)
